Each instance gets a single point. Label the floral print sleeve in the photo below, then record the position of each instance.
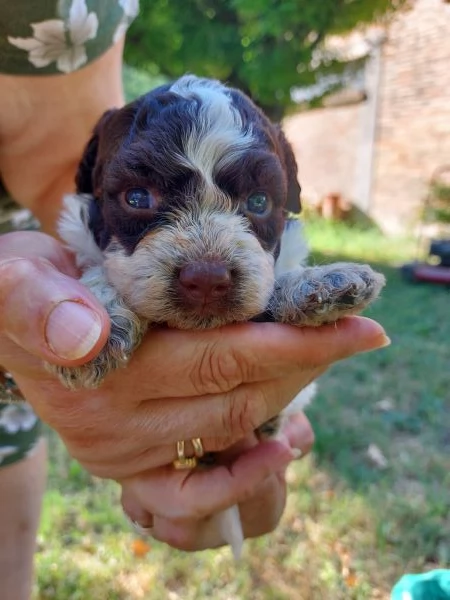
(20, 429)
(59, 36)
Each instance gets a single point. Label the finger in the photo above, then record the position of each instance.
(196, 494)
(225, 419)
(31, 244)
(262, 513)
(298, 433)
(209, 362)
(134, 511)
(190, 535)
(49, 314)
(259, 515)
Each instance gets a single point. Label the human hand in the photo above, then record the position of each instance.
(178, 508)
(218, 385)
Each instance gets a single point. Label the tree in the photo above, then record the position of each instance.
(263, 47)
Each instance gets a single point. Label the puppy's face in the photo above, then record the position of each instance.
(190, 185)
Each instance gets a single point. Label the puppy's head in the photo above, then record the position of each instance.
(190, 185)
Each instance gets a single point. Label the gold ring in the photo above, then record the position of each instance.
(183, 461)
(198, 447)
(188, 462)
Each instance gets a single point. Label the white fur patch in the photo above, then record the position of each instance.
(294, 249)
(217, 136)
(230, 528)
(74, 230)
(301, 401)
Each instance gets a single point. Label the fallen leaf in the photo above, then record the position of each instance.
(377, 457)
(329, 494)
(351, 580)
(140, 548)
(385, 404)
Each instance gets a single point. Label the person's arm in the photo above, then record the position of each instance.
(45, 122)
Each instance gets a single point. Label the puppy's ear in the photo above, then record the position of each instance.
(293, 203)
(84, 179)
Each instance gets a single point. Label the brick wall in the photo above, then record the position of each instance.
(326, 144)
(413, 134)
(381, 154)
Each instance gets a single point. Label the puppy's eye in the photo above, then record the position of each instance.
(139, 198)
(257, 204)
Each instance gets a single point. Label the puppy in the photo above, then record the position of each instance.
(180, 218)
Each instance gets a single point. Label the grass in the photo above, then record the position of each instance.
(352, 525)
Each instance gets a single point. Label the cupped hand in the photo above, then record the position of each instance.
(217, 385)
(178, 508)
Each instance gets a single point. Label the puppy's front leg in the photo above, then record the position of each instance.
(312, 296)
(127, 331)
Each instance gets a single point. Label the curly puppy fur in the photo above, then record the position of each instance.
(198, 154)
(180, 218)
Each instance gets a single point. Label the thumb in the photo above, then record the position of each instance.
(48, 313)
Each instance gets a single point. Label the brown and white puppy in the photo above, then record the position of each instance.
(180, 218)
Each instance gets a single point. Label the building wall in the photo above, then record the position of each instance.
(326, 143)
(413, 133)
(380, 154)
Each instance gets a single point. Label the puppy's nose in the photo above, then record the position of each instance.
(203, 281)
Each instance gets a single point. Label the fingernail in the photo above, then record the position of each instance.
(296, 453)
(289, 454)
(141, 530)
(386, 341)
(381, 342)
(72, 330)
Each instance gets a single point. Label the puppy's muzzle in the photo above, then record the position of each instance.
(204, 283)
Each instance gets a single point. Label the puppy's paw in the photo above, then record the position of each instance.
(126, 334)
(317, 295)
(91, 374)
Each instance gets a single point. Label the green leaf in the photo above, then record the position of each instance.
(263, 47)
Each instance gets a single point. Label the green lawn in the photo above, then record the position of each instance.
(353, 525)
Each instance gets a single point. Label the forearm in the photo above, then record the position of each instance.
(45, 122)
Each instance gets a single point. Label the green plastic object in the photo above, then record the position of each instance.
(434, 585)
